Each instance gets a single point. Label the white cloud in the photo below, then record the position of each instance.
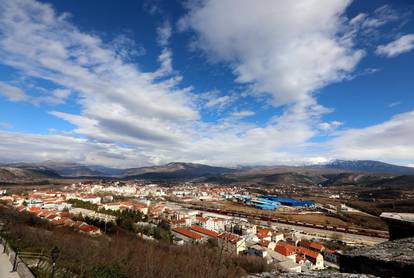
(401, 45)
(36, 148)
(328, 126)
(393, 104)
(5, 125)
(56, 97)
(129, 117)
(244, 113)
(389, 141)
(288, 49)
(13, 93)
(164, 33)
(219, 102)
(112, 93)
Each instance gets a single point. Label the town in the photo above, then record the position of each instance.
(231, 218)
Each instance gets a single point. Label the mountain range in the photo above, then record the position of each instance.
(337, 172)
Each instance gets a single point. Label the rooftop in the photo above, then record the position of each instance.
(187, 233)
(204, 231)
(233, 238)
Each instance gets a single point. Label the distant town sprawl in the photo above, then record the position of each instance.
(234, 219)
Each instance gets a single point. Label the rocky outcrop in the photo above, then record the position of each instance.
(311, 275)
(400, 225)
(388, 259)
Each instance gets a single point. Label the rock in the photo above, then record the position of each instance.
(388, 259)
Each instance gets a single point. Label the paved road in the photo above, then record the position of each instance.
(6, 266)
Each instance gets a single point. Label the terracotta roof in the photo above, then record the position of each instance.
(285, 249)
(233, 238)
(307, 252)
(88, 228)
(57, 222)
(313, 245)
(330, 251)
(261, 233)
(187, 233)
(140, 206)
(299, 258)
(52, 216)
(218, 219)
(34, 209)
(206, 232)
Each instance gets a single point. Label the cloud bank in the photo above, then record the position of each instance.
(286, 50)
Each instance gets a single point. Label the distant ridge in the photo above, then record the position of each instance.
(175, 170)
(335, 172)
(370, 166)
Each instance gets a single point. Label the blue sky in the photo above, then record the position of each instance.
(224, 82)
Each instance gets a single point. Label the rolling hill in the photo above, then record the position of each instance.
(337, 173)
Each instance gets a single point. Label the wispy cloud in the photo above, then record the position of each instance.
(393, 104)
(16, 94)
(243, 113)
(399, 46)
(13, 93)
(5, 125)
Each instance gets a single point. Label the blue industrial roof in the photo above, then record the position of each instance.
(288, 201)
(265, 206)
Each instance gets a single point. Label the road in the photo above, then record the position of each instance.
(6, 266)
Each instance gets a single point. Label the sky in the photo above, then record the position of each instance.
(221, 82)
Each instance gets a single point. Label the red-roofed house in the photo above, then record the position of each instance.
(286, 250)
(315, 258)
(268, 244)
(89, 229)
(231, 243)
(277, 236)
(311, 245)
(264, 234)
(187, 235)
(142, 208)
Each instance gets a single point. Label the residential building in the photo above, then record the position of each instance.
(231, 243)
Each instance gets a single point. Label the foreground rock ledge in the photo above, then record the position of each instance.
(311, 275)
(388, 259)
